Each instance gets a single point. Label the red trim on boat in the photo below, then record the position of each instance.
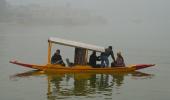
(21, 64)
(141, 66)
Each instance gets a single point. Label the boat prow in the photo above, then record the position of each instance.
(32, 66)
(142, 66)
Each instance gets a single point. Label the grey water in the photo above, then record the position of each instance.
(139, 29)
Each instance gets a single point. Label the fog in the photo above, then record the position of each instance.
(146, 16)
(121, 21)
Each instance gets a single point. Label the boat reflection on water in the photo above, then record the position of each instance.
(64, 85)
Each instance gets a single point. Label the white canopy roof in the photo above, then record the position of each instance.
(76, 44)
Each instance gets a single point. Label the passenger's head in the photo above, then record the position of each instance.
(110, 47)
(94, 52)
(119, 54)
(57, 51)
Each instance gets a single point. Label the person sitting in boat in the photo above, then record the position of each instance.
(119, 60)
(93, 59)
(105, 55)
(69, 64)
(56, 58)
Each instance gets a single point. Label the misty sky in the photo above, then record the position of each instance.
(122, 18)
(153, 14)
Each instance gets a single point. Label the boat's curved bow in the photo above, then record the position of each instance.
(141, 66)
(33, 66)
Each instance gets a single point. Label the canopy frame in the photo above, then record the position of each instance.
(74, 44)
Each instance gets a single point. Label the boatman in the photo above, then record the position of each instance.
(105, 55)
(56, 58)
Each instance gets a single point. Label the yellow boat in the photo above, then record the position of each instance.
(80, 61)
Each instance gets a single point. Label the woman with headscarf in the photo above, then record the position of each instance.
(119, 60)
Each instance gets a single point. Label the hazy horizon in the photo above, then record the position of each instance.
(126, 21)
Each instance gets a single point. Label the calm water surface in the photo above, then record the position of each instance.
(139, 29)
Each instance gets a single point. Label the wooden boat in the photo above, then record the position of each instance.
(80, 61)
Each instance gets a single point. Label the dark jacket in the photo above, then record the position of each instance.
(56, 59)
(109, 52)
(93, 59)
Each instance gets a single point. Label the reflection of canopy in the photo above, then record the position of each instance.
(76, 44)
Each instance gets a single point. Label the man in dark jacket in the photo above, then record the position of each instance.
(56, 58)
(93, 59)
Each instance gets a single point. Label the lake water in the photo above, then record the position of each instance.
(140, 30)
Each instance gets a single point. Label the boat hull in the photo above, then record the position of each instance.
(79, 68)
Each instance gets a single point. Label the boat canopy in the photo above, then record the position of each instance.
(76, 44)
